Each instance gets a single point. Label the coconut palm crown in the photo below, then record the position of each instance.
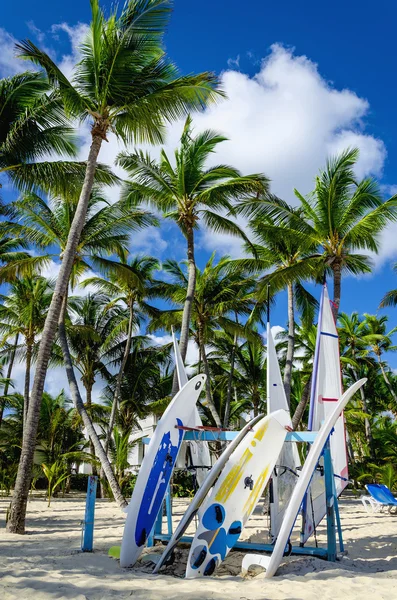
(187, 191)
(341, 215)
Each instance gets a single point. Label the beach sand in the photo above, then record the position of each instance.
(47, 563)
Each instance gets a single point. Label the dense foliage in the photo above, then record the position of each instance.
(125, 86)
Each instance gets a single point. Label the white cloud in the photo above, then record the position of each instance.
(76, 34)
(388, 247)
(51, 270)
(276, 329)
(285, 121)
(9, 63)
(148, 241)
(372, 152)
(234, 62)
(192, 354)
(40, 35)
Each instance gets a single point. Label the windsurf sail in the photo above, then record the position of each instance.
(197, 454)
(284, 476)
(326, 390)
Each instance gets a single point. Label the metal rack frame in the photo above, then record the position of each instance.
(332, 516)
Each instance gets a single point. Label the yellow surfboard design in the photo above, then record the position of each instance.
(236, 473)
(229, 506)
(253, 498)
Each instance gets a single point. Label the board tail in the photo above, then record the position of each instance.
(250, 560)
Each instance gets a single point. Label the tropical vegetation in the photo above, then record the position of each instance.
(105, 315)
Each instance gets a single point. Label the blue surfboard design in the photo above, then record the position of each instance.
(156, 485)
(217, 541)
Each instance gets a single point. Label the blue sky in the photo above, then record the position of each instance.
(304, 79)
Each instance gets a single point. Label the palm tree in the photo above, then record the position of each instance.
(14, 260)
(251, 373)
(59, 437)
(32, 126)
(339, 217)
(106, 231)
(122, 84)
(129, 284)
(224, 357)
(22, 313)
(146, 384)
(92, 331)
(305, 343)
(220, 294)
(390, 298)
(354, 343)
(292, 258)
(189, 193)
(92, 334)
(380, 342)
(11, 352)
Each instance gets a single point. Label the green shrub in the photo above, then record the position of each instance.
(183, 484)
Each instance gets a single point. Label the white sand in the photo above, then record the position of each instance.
(46, 563)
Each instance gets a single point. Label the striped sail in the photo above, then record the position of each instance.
(283, 478)
(325, 391)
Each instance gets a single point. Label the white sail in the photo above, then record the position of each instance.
(326, 391)
(284, 478)
(199, 451)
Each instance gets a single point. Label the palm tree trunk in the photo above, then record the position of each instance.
(230, 384)
(29, 349)
(336, 268)
(350, 450)
(88, 397)
(387, 381)
(300, 409)
(116, 396)
(17, 514)
(9, 373)
(255, 403)
(367, 424)
(187, 308)
(120, 379)
(291, 343)
(79, 405)
(208, 395)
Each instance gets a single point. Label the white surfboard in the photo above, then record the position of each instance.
(156, 470)
(271, 563)
(325, 392)
(202, 492)
(235, 494)
(284, 477)
(200, 455)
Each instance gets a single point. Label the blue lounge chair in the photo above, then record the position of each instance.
(380, 497)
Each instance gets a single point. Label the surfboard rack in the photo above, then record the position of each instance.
(334, 528)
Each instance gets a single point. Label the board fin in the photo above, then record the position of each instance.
(254, 559)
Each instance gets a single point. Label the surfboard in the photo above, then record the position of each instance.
(156, 470)
(284, 477)
(326, 390)
(200, 455)
(202, 492)
(271, 563)
(236, 493)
